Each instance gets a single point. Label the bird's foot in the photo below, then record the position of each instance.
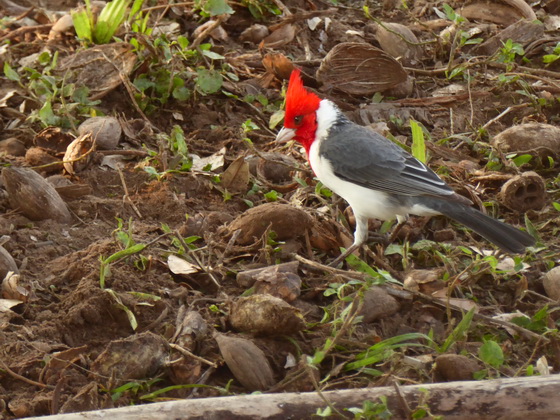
(343, 256)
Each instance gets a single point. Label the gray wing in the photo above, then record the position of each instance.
(351, 149)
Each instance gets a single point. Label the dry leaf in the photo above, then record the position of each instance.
(13, 289)
(278, 64)
(213, 161)
(7, 304)
(281, 36)
(78, 154)
(178, 265)
(236, 177)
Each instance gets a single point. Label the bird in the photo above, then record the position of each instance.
(376, 177)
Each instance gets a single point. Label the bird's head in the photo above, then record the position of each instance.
(300, 119)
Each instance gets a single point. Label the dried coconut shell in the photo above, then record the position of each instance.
(35, 156)
(524, 192)
(523, 8)
(7, 263)
(551, 283)
(400, 42)
(100, 68)
(106, 131)
(285, 220)
(53, 140)
(265, 315)
(360, 69)
(135, 357)
(523, 32)
(536, 139)
(499, 14)
(34, 196)
(246, 361)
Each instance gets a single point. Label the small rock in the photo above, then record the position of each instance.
(425, 281)
(190, 327)
(551, 283)
(266, 315)
(378, 304)
(87, 399)
(106, 131)
(254, 33)
(12, 147)
(248, 278)
(455, 367)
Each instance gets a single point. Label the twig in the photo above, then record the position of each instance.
(20, 31)
(208, 31)
(23, 378)
(164, 6)
(121, 152)
(197, 260)
(127, 195)
(503, 114)
(402, 400)
(185, 352)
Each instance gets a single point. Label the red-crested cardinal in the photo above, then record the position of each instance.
(376, 177)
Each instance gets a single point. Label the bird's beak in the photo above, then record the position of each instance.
(285, 135)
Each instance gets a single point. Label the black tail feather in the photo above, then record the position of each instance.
(507, 237)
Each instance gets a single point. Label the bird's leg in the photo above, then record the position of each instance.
(401, 221)
(360, 236)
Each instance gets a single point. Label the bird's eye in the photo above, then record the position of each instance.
(298, 119)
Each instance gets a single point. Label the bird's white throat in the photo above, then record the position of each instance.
(327, 114)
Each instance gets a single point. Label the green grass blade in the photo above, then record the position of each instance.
(418, 143)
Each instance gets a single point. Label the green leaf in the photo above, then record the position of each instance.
(217, 7)
(550, 58)
(556, 205)
(276, 118)
(212, 55)
(83, 24)
(418, 144)
(522, 160)
(111, 17)
(491, 353)
(11, 73)
(460, 331)
(181, 93)
(46, 115)
(209, 81)
(183, 42)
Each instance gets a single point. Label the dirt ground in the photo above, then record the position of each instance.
(70, 345)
